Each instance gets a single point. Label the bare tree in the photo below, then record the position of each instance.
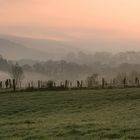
(92, 80)
(122, 78)
(17, 74)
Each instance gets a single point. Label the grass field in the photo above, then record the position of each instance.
(71, 115)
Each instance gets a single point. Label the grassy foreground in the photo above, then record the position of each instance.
(71, 115)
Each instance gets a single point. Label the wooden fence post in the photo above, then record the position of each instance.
(103, 83)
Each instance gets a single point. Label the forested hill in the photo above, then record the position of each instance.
(63, 69)
(4, 64)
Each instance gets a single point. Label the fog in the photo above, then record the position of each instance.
(70, 39)
(19, 47)
(58, 27)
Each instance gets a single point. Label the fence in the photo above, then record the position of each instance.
(78, 84)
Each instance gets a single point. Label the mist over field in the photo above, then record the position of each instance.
(44, 59)
(74, 66)
(69, 69)
(18, 47)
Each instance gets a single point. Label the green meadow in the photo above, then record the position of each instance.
(109, 114)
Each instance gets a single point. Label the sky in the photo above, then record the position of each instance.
(71, 19)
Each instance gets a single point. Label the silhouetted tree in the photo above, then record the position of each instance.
(92, 80)
(50, 84)
(121, 78)
(16, 73)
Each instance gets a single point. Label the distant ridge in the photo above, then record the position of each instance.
(13, 50)
(52, 49)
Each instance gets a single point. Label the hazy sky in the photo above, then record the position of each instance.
(67, 19)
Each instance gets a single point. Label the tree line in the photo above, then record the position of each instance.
(62, 69)
(65, 74)
(95, 81)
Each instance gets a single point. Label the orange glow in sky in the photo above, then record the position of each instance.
(71, 18)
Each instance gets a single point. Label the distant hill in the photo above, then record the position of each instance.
(45, 49)
(46, 45)
(13, 50)
(14, 47)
